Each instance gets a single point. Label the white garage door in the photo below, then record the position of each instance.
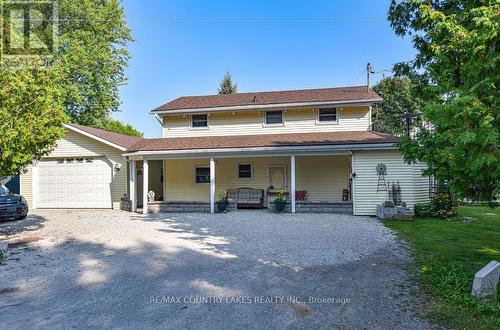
(74, 183)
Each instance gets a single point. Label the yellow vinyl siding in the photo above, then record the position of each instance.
(252, 123)
(77, 145)
(154, 182)
(366, 197)
(323, 177)
(26, 185)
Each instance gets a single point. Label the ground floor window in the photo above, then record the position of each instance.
(244, 171)
(202, 174)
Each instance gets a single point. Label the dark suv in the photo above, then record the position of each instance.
(12, 206)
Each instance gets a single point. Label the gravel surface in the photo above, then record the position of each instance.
(105, 268)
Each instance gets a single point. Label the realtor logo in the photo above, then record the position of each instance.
(28, 32)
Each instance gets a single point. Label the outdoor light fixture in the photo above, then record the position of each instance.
(118, 167)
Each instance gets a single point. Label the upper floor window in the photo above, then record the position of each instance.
(199, 121)
(328, 115)
(274, 117)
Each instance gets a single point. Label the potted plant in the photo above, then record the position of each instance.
(280, 201)
(222, 202)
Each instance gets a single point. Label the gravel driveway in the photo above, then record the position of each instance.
(95, 269)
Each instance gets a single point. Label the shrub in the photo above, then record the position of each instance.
(442, 205)
(424, 210)
(2, 257)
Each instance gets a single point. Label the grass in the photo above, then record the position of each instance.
(448, 254)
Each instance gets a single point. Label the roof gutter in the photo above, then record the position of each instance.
(256, 151)
(269, 106)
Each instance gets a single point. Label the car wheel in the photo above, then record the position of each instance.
(22, 217)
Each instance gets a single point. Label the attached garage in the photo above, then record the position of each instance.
(85, 171)
(83, 183)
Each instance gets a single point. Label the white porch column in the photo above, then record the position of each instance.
(212, 185)
(145, 179)
(292, 175)
(133, 185)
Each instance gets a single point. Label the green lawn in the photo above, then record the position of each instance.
(448, 254)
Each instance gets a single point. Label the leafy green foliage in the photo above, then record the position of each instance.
(425, 210)
(2, 257)
(117, 126)
(83, 83)
(442, 205)
(398, 101)
(93, 39)
(448, 254)
(31, 116)
(227, 86)
(455, 73)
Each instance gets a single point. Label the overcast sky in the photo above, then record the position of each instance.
(172, 59)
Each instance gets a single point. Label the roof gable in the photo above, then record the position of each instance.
(119, 141)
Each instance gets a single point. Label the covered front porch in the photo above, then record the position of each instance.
(309, 183)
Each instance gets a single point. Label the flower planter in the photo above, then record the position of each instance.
(222, 206)
(280, 206)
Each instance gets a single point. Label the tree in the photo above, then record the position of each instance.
(117, 126)
(456, 74)
(226, 86)
(398, 101)
(93, 38)
(83, 83)
(31, 116)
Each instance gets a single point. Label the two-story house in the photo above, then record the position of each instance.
(314, 146)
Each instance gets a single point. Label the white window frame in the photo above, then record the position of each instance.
(194, 174)
(199, 128)
(283, 119)
(238, 171)
(336, 122)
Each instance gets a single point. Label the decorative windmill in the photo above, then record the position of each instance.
(381, 171)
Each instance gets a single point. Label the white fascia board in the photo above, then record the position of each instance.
(269, 106)
(114, 145)
(258, 151)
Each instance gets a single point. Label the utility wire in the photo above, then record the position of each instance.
(361, 75)
(218, 21)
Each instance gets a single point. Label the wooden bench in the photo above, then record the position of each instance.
(247, 197)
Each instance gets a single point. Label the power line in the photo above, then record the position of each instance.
(220, 21)
(361, 75)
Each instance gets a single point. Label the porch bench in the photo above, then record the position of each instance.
(247, 197)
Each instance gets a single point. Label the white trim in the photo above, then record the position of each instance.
(212, 185)
(238, 171)
(164, 166)
(337, 116)
(370, 119)
(133, 184)
(114, 145)
(292, 181)
(353, 192)
(269, 106)
(20, 185)
(259, 151)
(145, 186)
